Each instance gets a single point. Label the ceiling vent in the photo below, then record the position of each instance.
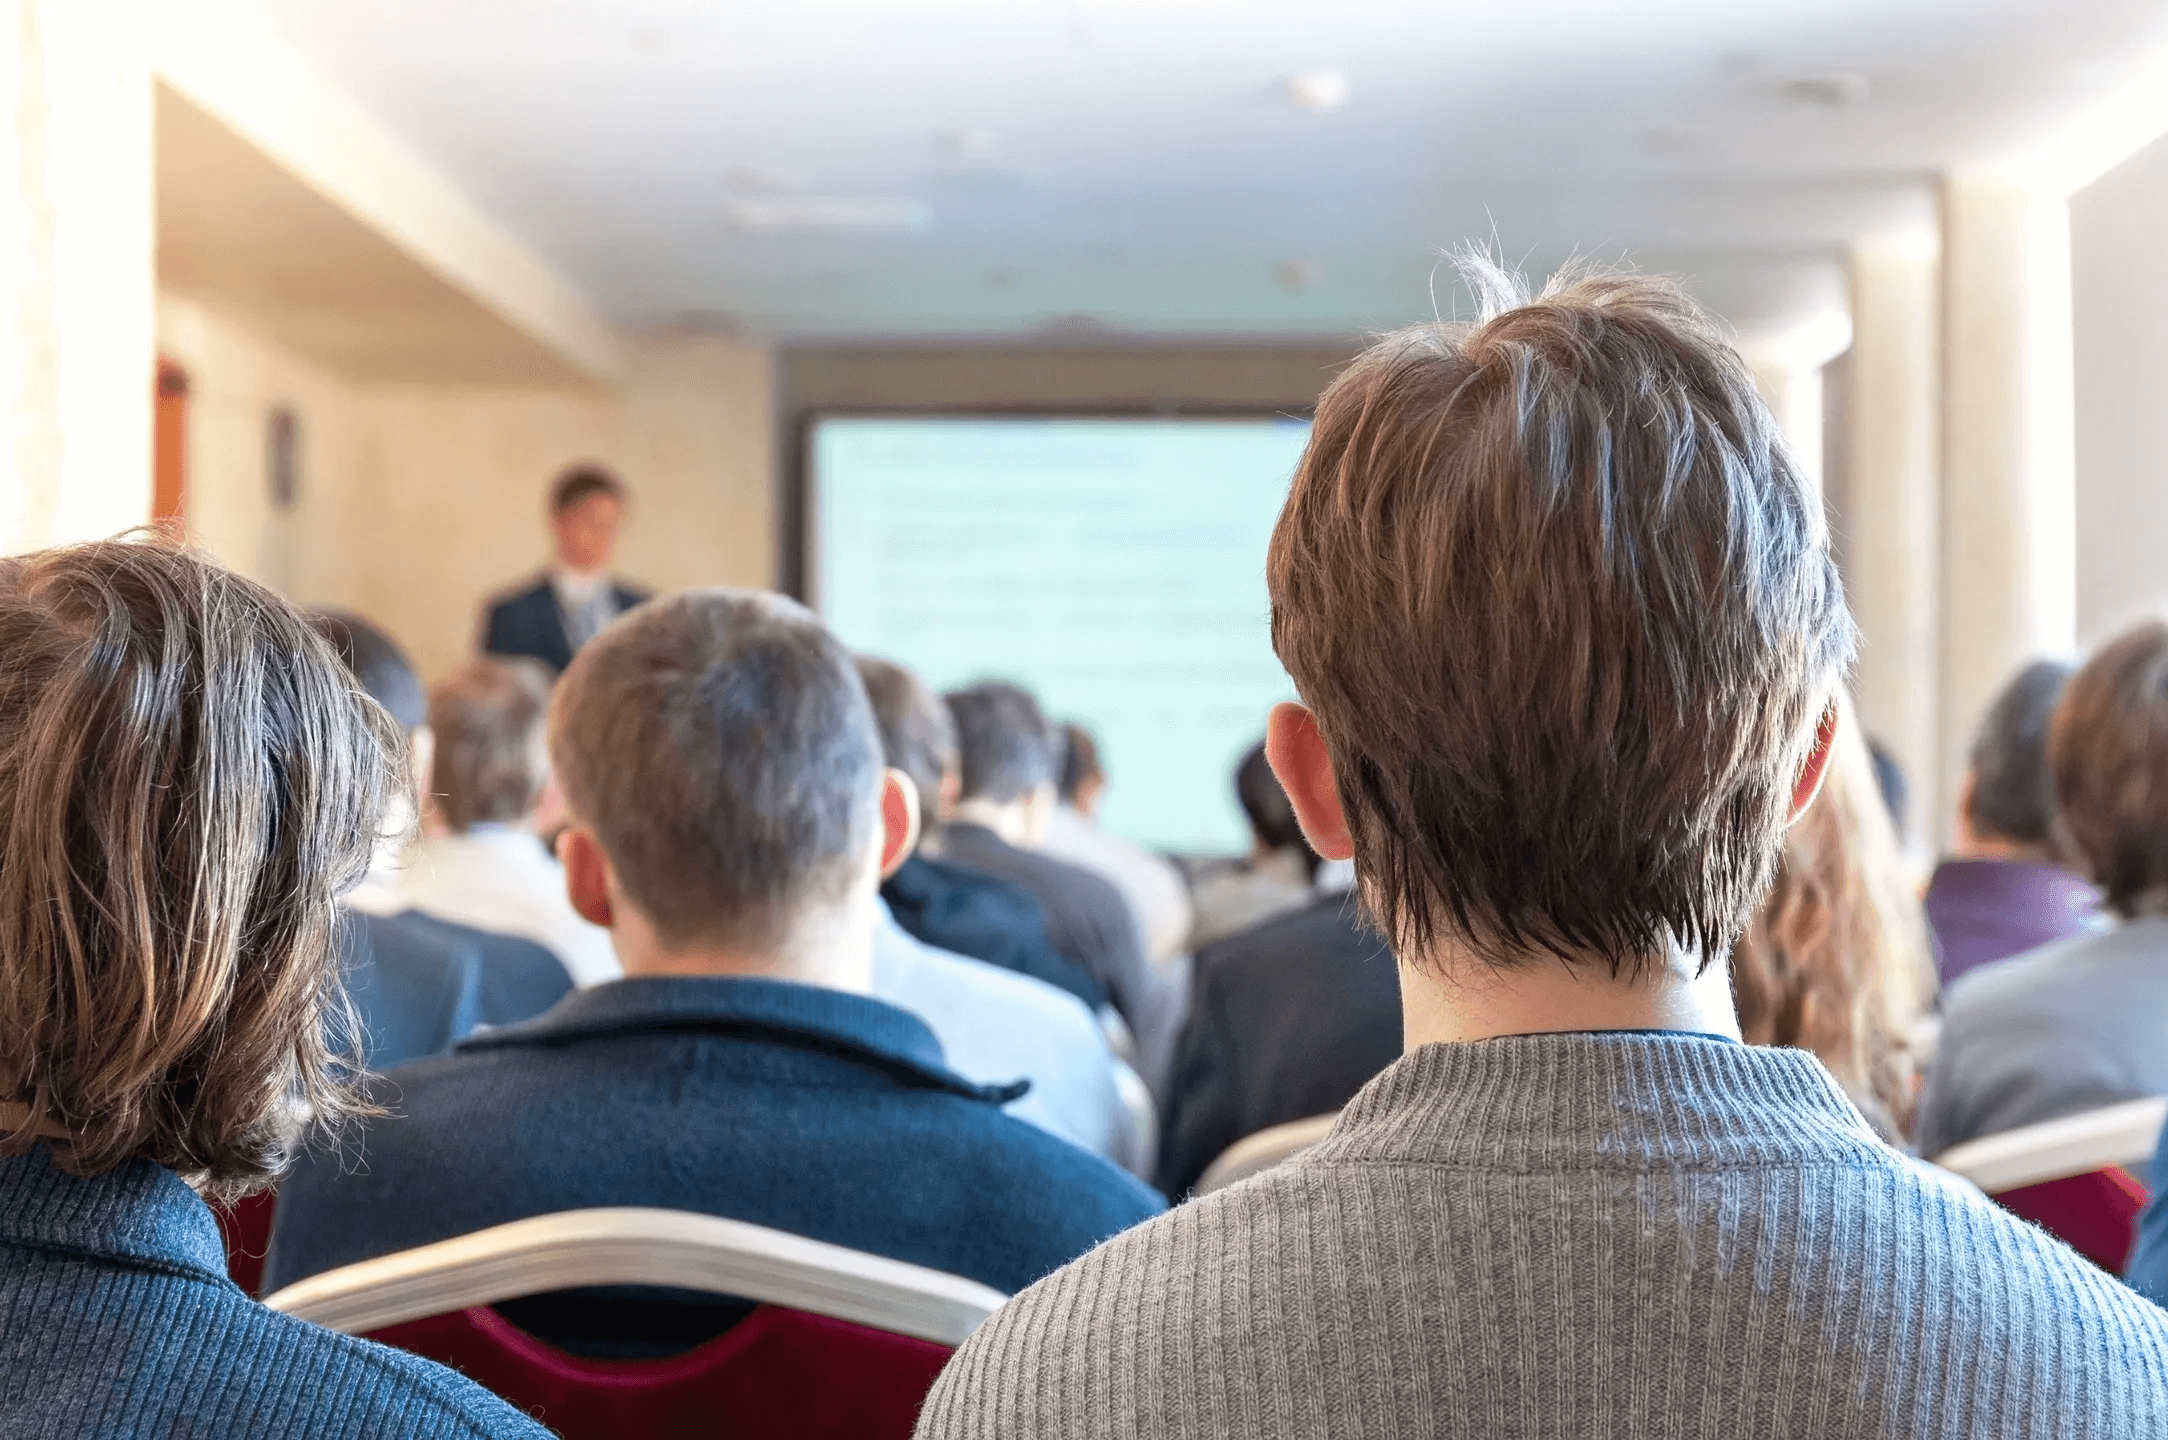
(1826, 92)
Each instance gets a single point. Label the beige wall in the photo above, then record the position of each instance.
(415, 502)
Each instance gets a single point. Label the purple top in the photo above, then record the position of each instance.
(1984, 910)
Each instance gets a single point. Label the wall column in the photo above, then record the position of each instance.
(1892, 511)
(2009, 586)
(76, 248)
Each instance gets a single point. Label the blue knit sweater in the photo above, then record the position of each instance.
(117, 1321)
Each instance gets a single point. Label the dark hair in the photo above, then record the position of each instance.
(1565, 613)
(720, 745)
(1005, 745)
(578, 482)
(917, 735)
(1271, 815)
(189, 778)
(2013, 795)
(1890, 783)
(377, 662)
(491, 761)
(1079, 762)
(2108, 753)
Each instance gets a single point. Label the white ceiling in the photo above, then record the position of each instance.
(1136, 164)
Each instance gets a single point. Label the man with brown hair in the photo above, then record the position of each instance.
(1566, 629)
(550, 618)
(2081, 1023)
(730, 817)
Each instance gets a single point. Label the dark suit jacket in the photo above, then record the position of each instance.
(966, 913)
(1086, 917)
(1286, 1020)
(518, 979)
(809, 1110)
(527, 622)
(414, 989)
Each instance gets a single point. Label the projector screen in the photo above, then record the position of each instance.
(1114, 566)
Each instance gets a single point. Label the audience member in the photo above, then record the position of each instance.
(1280, 874)
(1562, 613)
(1286, 1020)
(1837, 960)
(550, 619)
(188, 781)
(948, 906)
(420, 983)
(730, 815)
(1891, 787)
(2078, 1024)
(1007, 768)
(2006, 890)
(2148, 1268)
(1157, 895)
(485, 867)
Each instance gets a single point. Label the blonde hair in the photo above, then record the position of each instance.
(1838, 959)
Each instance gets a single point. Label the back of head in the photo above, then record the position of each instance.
(1838, 959)
(1272, 817)
(377, 662)
(1081, 772)
(2013, 797)
(1006, 748)
(189, 778)
(2108, 754)
(720, 745)
(1565, 613)
(491, 761)
(917, 735)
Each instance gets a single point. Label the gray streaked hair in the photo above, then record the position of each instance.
(1565, 611)
(720, 745)
(1006, 747)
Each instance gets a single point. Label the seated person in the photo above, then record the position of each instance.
(1281, 874)
(1566, 628)
(484, 866)
(2006, 889)
(2078, 1024)
(729, 818)
(947, 906)
(1158, 896)
(190, 780)
(1837, 960)
(2147, 1272)
(1007, 766)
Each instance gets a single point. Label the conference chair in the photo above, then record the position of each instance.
(2072, 1177)
(1254, 1154)
(245, 1226)
(841, 1343)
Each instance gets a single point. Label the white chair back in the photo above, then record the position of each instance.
(2119, 1135)
(633, 1245)
(1262, 1151)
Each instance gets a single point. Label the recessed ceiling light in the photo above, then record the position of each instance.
(861, 214)
(768, 179)
(1318, 91)
(1829, 92)
(965, 144)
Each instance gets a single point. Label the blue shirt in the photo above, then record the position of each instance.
(2148, 1270)
(809, 1110)
(117, 1320)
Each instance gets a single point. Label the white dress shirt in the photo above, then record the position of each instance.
(500, 878)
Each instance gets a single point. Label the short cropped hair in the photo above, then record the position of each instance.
(1271, 815)
(1565, 613)
(188, 779)
(1079, 762)
(917, 735)
(1006, 747)
(721, 747)
(492, 760)
(2108, 753)
(2013, 796)
(578, 482)
(377, 663)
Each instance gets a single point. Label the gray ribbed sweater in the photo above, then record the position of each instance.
(1575, 1236)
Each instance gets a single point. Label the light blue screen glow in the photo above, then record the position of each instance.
(1116, 567)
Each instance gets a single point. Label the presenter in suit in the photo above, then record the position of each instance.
(552, 618)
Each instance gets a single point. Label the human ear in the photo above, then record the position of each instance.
(587, 875)
(1298, 757)
(899, 821)
(1816, 769)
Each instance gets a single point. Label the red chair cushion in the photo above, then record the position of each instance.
(245, 1226)
(776, 1373)
(2095, 1214)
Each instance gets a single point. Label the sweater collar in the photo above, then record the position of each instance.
(808, 1016)
(1617, 1101)
(140, 1213)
